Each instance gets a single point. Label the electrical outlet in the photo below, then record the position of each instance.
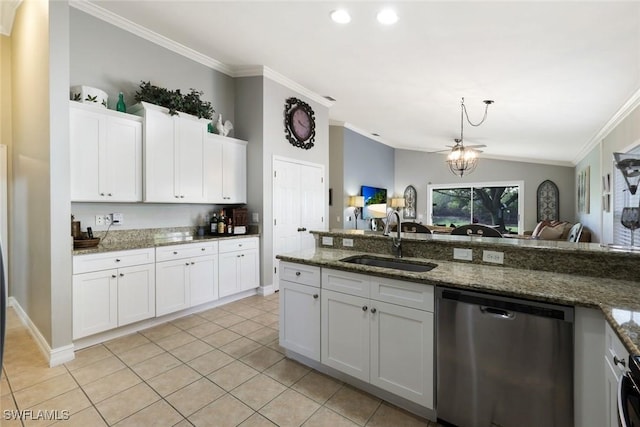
(117, 218)
(99, 220)
(463, 254)
(493, 257)
(108, 219)
(255, 217)
(327, 240)
(347, 243)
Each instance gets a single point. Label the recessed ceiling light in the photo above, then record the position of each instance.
(387, 17)
(341, 16)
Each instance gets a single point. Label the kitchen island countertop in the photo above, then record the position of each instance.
(617, 299)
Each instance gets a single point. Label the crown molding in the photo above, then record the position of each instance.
(361, 131)
(233, 71)
(7, 15)
(261, 70)
(627, 108)
(140, 31)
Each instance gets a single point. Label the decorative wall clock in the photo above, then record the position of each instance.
(299, 123)
(548, 201)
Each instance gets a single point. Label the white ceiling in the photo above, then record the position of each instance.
(559, 72)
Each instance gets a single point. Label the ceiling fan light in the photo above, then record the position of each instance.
(340, 16)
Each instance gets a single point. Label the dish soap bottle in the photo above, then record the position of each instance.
(120, 106)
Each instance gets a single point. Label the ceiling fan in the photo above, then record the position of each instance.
(464, 158)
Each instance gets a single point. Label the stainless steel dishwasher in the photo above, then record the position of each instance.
(503, 362)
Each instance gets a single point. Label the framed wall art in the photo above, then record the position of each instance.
(548, 201)
(409, 210)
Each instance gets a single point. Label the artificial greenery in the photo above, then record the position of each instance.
(175, 101)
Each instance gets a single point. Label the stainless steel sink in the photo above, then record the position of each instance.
(395, 264)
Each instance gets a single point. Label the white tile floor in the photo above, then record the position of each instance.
(221, 367)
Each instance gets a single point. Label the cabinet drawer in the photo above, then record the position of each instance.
(230, 245)
(188, 250)
(107, 260)
(615, 350)
(300, 273)
(346, 282)
(407, 294)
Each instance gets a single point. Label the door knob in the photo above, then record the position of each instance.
(373, 310)
(315, 296)
(365, 308)
(617, 361)
(297, 273)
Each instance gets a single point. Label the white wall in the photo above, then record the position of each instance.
(419, 168)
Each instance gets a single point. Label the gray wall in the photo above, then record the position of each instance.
(114, 60)
(364, 162)
(591, 220)
(420, 168)
(40, 265)
(336, 176)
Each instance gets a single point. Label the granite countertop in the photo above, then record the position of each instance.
(617, 299)
(151, 242)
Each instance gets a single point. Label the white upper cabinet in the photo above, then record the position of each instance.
(225, 168)
(186, 164)
(106, 155)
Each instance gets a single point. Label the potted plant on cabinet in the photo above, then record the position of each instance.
(175, 101)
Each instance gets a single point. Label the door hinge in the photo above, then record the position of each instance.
(321, 179)
(275, 269)
(321, 219)
(274, 221)
(275, 173)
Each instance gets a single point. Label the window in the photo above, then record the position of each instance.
(495, 203)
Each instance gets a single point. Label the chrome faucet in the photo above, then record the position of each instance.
(397, 241)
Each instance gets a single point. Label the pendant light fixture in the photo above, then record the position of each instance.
(462, 160)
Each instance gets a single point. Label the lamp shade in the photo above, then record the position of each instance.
(356, 201)
(397, 202)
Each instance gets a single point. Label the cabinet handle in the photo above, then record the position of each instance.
(315, 296)
(297, 273)
(109, 194)
(302, 229)
(186, 263)
(365, 308)
(176, 197)
(175, 252)
(203, 249)
(117, 259)
(113, 276)
(102, 194)
(239, 245)
(242, 255)
(121, 274)
(192, 262)
(182, 196)
(373, 310)
(617, 361)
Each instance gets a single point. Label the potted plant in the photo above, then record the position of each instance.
(175, 101)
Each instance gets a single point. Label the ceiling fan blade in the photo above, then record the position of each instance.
(475, 146)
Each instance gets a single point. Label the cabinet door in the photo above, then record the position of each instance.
(203, 279)
(189, 160)
(234, 172)
(172, 292)
(123, 160)
(159, 157)
(136, 293)
(300, 319)
(611, 390)
(95, 302)
(249, 272)
(345, 333)
(86, 132)
(402, 348)
(228, 274)
(213, 169)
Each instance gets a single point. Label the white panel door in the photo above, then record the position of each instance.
(95, 302)
(123, 160)
(402, 341)
(172, 292)
(286, 210)
(203, 279)
(344, 343)
(136, 293)
(311, 204)
(300, 319)
(190, 158)
(159, 157)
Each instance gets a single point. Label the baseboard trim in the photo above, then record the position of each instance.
(55, 356)
(266, 290)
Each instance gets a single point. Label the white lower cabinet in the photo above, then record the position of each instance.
(300, 309)
(239, 265)
(615, 360)
(187, 276)
(105, 297)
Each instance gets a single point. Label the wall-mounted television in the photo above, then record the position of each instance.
(375, 202)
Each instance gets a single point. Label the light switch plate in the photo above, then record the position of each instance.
(347, 243)
(463, 254)
(493, 257)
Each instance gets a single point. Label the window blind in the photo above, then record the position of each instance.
(621, 198)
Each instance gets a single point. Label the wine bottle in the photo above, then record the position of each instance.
(213, 224)
(221, 223)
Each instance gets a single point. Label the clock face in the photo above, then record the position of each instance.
(301, 124)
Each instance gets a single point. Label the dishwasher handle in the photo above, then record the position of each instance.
(497, 313)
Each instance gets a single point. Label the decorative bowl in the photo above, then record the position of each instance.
(89, 95)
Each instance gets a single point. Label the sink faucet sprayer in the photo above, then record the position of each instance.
(397, 241)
